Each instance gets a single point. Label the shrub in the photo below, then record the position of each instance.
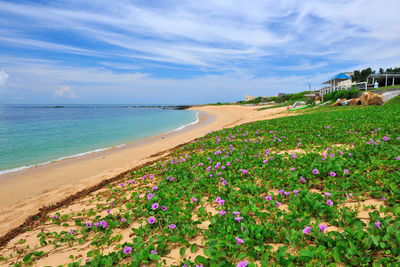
(348, 94)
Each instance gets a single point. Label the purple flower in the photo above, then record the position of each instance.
(151, 220)
(236, 213)
(154, 206)
(123, 220)
(287, 194)
(55, 216)
(268, 198)
(132, 181)
(222, 212)
(296, 191)
(103, 223)
(322, 227)
(302, 179)
(280, 192)
(307, 230)
(333, 174)
(154, 188)
(194, 199)
(242, 263)
(329, 202)
(398, 158)
(153, 252)
(346, 171)
(150, 196)
(378, 225)
(278, 204)
(108, 211)
(315, 171)
(239, 241)
(223, 183)
(385, 138)
(127, 250)
(121, 184)
(239, 219)
(327, 194)
(164, 208)
(96, 224)
(89, 224)
(172, 226)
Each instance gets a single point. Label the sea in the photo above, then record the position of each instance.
(32, 135)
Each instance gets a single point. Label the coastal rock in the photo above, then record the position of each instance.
(369, 98)
(355, 101)
(345, 103)
(338, 102)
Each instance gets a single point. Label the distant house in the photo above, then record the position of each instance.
(339, 81)
(249, 98)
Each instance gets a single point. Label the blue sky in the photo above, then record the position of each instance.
(186, 52)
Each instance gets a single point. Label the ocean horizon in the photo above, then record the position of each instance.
(37, 134)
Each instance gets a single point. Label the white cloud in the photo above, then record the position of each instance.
(3, 77)
(65, 91)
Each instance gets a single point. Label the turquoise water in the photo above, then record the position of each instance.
(35, 134)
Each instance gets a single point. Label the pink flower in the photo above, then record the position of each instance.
(268, 198)
(278, 204)
(242, 263)
(172, 226)
(194, 199)
(296, 192)
(151, 220)
(327, 194)
(385, 138)
(154, 206)
(127, 250)
(222, 212)
(333, 174)
(286, 194)
(329, 202)
(239, 241)
(239, 219)
(322, 227)
(89, 224)
(280, 192)
(302, 179)
(164, 208)
(398, 158)
(307, 230)
(378, 225)
(315, 171)
(236, 213)
(346, 171)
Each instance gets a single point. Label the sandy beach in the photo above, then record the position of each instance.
(23, 193)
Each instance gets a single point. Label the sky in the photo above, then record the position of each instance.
(186, 52)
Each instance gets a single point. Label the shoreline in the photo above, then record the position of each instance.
(27, 191)
(7, 174)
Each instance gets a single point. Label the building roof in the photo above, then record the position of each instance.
(340, 76)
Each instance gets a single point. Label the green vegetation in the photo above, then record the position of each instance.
(348, 94)
(321, 188)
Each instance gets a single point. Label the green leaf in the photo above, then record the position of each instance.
(182, 251)
(375, 240)
(200, 260)
(154, 257)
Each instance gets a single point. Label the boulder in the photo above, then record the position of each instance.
(355, 101)
(344, 103)
(369, 98)
(338, 103)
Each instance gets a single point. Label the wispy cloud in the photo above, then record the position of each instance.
(65, 91)
(145, 42)
(3, 77)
